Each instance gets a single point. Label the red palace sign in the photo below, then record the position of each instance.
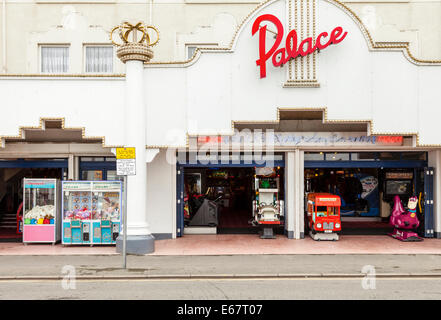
(291, 50)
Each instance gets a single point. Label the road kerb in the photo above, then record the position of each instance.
(220, 276)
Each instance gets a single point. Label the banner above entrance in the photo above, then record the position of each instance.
(299, 139)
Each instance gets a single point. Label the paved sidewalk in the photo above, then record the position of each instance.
(252, 244)
(195, 245)
(221, 266)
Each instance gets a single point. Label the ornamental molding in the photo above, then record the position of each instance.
(134, 49)
(42, 126)
(324, 110)
(372, 45)
(325, 120)
(62, 75)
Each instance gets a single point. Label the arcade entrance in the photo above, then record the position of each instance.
(220, 197)
(12, 173)
(367, 183)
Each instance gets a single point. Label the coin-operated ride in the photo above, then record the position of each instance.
(405, 222)
(268, 209)
(323, 212)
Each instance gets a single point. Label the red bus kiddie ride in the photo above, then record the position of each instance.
(323, 211)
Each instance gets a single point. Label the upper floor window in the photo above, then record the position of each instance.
(99, 59)
(54, 59)
(190, 51)
(191, 48)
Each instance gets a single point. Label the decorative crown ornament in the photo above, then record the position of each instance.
(134, 49)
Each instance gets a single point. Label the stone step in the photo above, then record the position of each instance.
(7, 221)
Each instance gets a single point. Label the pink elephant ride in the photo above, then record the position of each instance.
(405, 222)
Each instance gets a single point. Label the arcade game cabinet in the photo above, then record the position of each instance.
(268, 209)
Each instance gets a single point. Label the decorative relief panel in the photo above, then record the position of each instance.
(301, 16)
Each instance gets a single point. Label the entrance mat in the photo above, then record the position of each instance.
(10, 235)
(237, 231)
(234, 219)
(255, 230)
(365, 228)
(366, 224)
(19, 239)
(366, 231)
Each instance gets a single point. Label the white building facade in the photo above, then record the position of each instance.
(351, 94)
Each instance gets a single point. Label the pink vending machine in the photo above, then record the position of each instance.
(41, 216)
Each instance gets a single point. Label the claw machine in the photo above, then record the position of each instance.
(41, 211)
(91, 212)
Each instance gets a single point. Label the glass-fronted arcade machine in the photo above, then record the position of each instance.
(41, 218)
(91, 212)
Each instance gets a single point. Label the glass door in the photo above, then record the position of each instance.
(92, 175)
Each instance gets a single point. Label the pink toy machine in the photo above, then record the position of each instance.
(405, 222)
(41, 203)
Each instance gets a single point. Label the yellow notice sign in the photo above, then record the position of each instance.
(125, 153)
(125, 161)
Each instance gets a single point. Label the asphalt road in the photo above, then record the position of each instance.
(215, 265)
(274, 277)
(225, 289)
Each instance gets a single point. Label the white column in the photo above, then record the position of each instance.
(139, 236)
(301, 192)
(71, 167)
(294, 175)
(134, 54)
(135, 137)
(298, 195)
(76, 168)
(290, 194)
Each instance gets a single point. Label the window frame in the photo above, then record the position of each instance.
(53, 45)
(109, 45)
(198, 45)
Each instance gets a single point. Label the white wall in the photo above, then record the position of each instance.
(356, 83)
(188, 21)
(94, 104)
(206, 95)
(161, 196)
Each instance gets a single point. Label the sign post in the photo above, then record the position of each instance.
(124, 251)
(125, 166)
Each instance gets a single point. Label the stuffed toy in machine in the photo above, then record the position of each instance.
(41, 212)
(405, 222)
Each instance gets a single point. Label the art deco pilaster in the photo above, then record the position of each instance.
(134, 49)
